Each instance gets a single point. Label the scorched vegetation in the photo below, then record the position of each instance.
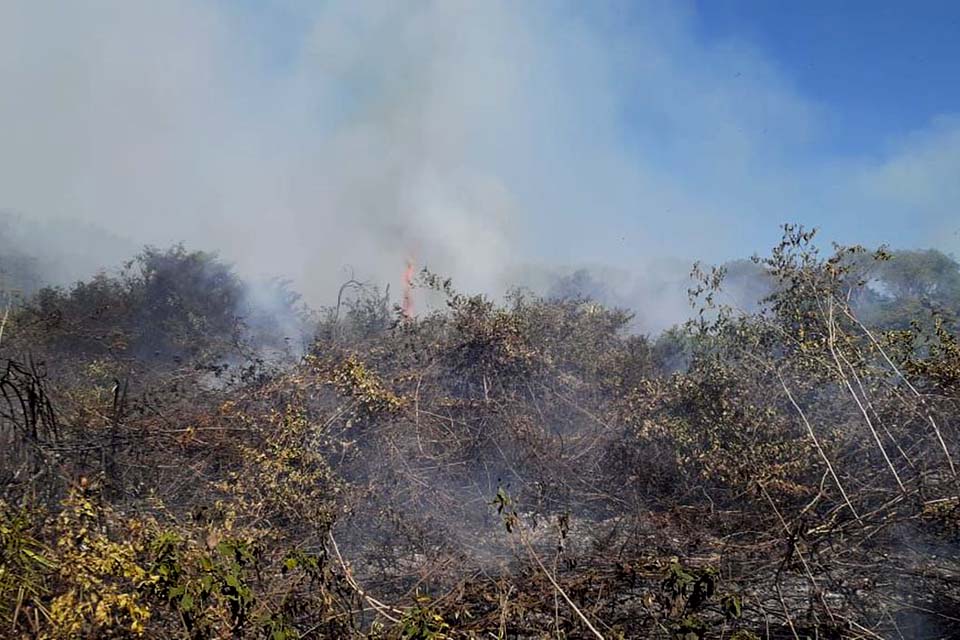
(525, 468)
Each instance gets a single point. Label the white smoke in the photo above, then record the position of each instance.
(301, 138)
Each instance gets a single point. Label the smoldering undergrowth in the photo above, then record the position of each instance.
(519, 468)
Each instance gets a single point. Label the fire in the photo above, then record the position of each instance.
(407, 304)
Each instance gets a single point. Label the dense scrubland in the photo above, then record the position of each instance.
(783, 465)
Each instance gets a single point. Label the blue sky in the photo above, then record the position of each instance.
(883, 68)
(311, 139)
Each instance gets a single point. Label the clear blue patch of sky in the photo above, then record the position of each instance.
(881, 68)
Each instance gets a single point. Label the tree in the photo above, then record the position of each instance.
(909, 286)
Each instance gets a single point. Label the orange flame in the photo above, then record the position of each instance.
(407, 304)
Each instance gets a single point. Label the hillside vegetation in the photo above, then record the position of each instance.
(525, 468)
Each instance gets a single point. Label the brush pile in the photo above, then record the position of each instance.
(525, 469)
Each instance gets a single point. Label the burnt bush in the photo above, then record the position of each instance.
(524, 467)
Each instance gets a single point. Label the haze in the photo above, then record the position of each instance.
(480, 138)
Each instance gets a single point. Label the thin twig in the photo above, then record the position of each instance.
(563, 594)
(816, 443)
(380, 607)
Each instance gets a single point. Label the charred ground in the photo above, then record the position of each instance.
(526, 468)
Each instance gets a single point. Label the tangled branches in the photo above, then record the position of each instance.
(520, 469)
